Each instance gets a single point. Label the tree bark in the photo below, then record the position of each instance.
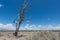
(17, 29)
(16, 33)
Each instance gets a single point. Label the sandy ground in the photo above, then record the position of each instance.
(25, 35)
(9, 35)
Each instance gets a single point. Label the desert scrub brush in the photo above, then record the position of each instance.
(43, 35)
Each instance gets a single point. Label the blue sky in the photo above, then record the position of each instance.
(40, 12)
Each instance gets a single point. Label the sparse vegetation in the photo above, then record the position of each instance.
(43, 35)
(31, 35)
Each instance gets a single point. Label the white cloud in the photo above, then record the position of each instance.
(41, 27)
(30, 27)
(1, 5)
(7, 26)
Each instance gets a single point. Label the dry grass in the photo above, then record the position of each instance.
(44, 35)
(36, 35)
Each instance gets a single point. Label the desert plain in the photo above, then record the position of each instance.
(30, 35)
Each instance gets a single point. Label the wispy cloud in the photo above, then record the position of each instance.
(41, 27)
(1, 5)
(49, 19)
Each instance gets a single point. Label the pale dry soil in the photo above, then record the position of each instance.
(9, 35)
(24, 36)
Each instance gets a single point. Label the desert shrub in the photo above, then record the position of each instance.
(42, 35)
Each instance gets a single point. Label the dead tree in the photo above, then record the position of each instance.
(21, 18)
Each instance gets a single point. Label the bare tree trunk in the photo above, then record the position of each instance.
(21, 18)
(16, 33)
(17, 29)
